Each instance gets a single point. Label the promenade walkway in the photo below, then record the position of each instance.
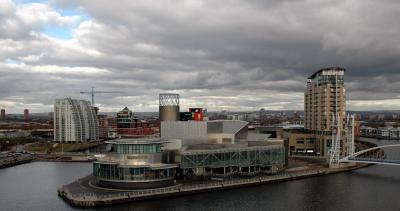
(84, 193)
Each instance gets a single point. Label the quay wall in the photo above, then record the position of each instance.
(94, 200)
(8, 162)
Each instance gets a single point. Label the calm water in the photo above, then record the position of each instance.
(33, 187)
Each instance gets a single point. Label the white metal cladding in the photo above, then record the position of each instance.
(187, 131)
(226, 126)
(75, 120)
(236, 127)
(233, 126)
(192, 132)
(214, 127)
(169, 99)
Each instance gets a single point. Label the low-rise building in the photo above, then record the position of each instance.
(13, 133)
(368, 131)
(130, 126)
(301, 143)
(388, 133)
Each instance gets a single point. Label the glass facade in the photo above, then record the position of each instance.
(113, 172)
(108, 169)
(329, 79)
(243, 158)
(136, 148)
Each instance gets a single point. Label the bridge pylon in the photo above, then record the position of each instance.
(334, 153)
(342, 146)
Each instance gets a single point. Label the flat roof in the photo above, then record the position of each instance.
(326, 68)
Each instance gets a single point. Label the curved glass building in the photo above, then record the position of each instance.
(134, 164)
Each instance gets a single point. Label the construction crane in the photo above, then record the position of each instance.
(92, 93)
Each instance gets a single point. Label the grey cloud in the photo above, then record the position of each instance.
(260, 51)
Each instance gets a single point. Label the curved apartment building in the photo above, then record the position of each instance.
(75, 121)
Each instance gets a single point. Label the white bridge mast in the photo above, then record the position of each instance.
(336, 132)
(336, 136)
(350, 134)
(337, 148)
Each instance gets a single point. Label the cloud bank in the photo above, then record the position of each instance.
(221, 55)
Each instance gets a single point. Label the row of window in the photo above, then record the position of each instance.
(136, 148)
(307, 141)
(110, 171)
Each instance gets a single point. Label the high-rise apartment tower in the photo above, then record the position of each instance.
(324, 98)
(3, 114)
(75, 121)
(26, 114)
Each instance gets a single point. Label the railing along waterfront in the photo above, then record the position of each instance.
(185, 187)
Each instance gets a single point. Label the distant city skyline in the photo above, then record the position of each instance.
(220, 55)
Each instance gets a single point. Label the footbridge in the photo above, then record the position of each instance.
(385, 154)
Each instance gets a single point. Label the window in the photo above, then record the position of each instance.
(226, 140)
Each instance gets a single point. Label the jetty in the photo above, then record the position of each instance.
(85, 193)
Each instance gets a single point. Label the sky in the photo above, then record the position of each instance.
(221, 55)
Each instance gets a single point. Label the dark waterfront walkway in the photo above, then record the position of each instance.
(84, 192)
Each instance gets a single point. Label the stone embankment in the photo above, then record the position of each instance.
(82, 193)
(14, 159)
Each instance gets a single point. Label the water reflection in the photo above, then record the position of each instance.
(33, 187)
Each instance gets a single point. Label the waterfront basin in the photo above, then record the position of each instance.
(33, 186)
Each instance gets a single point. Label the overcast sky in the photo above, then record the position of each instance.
(221, 55)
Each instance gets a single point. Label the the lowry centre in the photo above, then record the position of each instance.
(188, 150)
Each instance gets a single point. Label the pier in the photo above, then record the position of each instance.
(84, 193)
